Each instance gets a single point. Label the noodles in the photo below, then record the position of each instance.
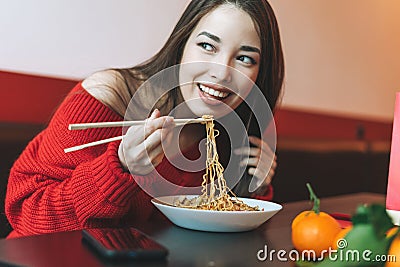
(214, 189)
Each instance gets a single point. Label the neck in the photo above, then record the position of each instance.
(190, 134)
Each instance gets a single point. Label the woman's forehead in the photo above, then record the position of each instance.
(227, 21)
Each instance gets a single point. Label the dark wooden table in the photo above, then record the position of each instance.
(186, 247)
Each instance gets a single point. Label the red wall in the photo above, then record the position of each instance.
(303, 124)
(32, 99)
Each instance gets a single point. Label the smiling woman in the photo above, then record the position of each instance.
(221, 59)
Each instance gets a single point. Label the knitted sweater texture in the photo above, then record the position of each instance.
(51, 191)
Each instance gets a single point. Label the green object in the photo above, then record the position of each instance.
(314, 198)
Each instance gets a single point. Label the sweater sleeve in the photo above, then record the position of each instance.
(267, 194)
(49, 190)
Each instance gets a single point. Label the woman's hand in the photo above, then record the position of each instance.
(142, 146)
(259, 160)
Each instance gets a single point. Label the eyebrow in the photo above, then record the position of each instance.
(246, 48)
(211, 36)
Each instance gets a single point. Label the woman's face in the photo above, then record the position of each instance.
(226, 48)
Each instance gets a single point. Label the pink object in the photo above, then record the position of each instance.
(393, 188)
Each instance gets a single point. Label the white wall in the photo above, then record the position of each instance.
(342, 56)
(73, 38)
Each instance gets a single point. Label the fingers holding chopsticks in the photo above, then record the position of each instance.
(154, 127)
(142, 147)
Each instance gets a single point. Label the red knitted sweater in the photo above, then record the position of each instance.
(50, 191)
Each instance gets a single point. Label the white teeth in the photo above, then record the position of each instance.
(213, 92)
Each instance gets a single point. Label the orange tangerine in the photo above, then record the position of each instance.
(315, 232)
(394, 253)
(392, 231)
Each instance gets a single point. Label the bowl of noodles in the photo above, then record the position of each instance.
(217, 209)
(247, 215)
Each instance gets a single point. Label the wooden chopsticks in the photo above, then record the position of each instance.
(95, 143)
(91, 125)
(83, 126)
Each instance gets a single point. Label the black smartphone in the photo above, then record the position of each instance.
(123, 244)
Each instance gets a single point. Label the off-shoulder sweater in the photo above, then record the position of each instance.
(50, 190)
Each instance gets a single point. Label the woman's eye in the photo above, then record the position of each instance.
(208, 47)
(247, 60)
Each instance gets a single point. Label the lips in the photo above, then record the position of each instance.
(212, 94)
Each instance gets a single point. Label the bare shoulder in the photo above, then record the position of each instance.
(109, 87)
(104, 78)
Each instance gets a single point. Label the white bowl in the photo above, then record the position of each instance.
(217, 221)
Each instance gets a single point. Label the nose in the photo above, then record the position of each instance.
(220, 72)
